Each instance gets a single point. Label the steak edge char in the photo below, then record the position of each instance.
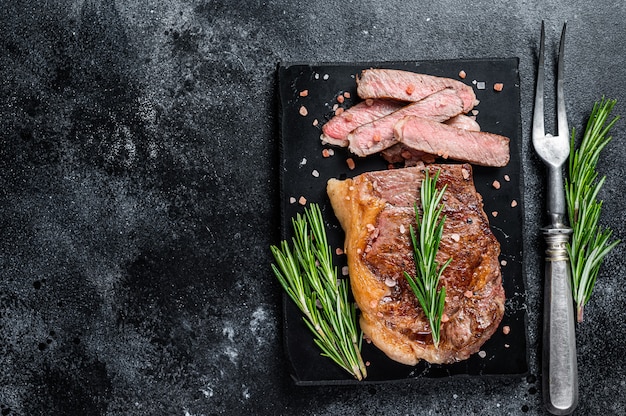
(375, 210)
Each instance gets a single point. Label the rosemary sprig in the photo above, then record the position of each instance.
(427, 269)
(590, 243)
(307, 274)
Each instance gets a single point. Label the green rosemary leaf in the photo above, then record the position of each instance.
(590, 243)
(306, 272)
(425, 247)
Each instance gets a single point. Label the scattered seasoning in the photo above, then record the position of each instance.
(496, 184)
(513, 204)
(475, 112)
(302, 200)
(339, 251)
(317, 76)
(292, 200)
(498, 86)
(344, 271)
(302, 162)
(303, 111)
(466, 173)
(335, 107)
(350, 163)
(494, 213)
(348, 117)
(339, 111)
(506, 345)
(325, 152)
(481, 85)
(507, 178)
(346, 94)
(410, 89)
(315, 173)
(506, 330)
(504, 262)
(326, 76)
(456, 237)
(389, 282)
(315, 122)
(482, 354)
(304, 93)
(445, 317)
(462, 74)
(369, 102)
(340, 99)
(402, 229)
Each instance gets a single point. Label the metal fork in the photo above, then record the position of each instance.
(560, 374)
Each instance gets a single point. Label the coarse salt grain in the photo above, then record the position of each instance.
(292, 200)
(331, 152)
(482, 354)
(315, 173)
(304, 93)
(344, 270)
(326, 76)
(480, 85)
(496, 184)
(494, 213)
(339, 251)
(346, 94)
(513, 204)
(466, 173)
(325, 153)
(303, 111)
(506, 330)
(445, 317)
(498, 86)
(456, 237)
(462, 74)
(350, 163)
(475, 112)
(339, 111)
(340, 99)
(402, 229)
(389, 282)
(316, 122)
(506, 345)
(302, 200)
(335, 107)
(503, 262)
(507, 178)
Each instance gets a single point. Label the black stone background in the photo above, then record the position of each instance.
(139, 196)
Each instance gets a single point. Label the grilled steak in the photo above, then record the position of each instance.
(409, 86)
(336, 130)
(378, 135)
(480, 148)
(375, 210)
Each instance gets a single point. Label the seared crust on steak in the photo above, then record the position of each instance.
(375, 210)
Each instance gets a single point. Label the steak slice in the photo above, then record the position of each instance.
(375, 210)
(409, 86)
(480, 148)
(378, 135)
(336, 130)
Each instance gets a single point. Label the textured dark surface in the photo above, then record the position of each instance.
(139, 195)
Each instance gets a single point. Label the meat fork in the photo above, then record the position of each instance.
(560, 374)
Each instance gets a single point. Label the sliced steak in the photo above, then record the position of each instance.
(409, 86)
(480, 148)
(336, 130)
(378, 135)
(375, 210)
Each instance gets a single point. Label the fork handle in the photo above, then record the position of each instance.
(556, 196)
(560, 373)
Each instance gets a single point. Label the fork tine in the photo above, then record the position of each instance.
(560, 96)
(538, 117)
